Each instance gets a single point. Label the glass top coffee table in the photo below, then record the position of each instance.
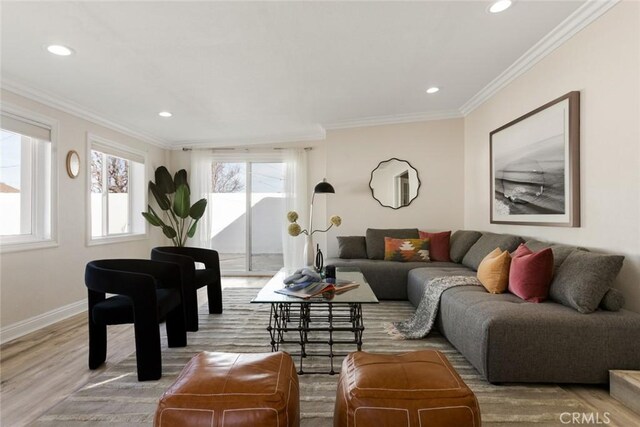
(320, 326)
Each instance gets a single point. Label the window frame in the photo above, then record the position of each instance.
(36, 240)
(125, 149)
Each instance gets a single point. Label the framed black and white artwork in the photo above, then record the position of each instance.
(535, 166)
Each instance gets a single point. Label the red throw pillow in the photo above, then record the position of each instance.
(531, 273)
(439, 249)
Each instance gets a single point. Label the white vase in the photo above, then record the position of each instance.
(309, 253)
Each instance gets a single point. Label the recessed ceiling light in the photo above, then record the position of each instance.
(433, 89)
(58, 49)
(165, 114)
(500, 6)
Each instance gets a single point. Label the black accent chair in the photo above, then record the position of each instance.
(193, 279)
(147, 292)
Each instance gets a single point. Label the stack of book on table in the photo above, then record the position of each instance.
(312, 289)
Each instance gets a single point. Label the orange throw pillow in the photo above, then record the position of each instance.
(493, 271)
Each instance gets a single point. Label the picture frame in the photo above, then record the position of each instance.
(535, 166)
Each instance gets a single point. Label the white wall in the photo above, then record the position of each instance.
(434, 148)
(37, 282)
(603, 63)
(347, 157)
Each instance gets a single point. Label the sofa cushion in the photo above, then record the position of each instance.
(531, 273)
(560, 252)
(493, 271)
(419, 278)
(487, 243)
(460, 243)
(509, 340)
(406, 250)
(375, 239)
(352, 247)
(388, 279)
(439, 247)
(613, 300)
(584, 278)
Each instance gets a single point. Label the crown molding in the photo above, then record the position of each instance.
(583, 16)
(394, 119)
(68, 106)
(318, 133)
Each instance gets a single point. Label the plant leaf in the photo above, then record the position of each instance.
(181, 201)
(151, 219)
(164, 182)
(192, 229)
(180, 178)
(169, 231)
(198, 208)
(155, 216)
(162, 199)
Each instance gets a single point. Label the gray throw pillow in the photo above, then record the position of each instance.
(560, 252)
(487, 243)
(460, 242)
(583, 279)
(375, 239)
(352, 247)
(613, 300)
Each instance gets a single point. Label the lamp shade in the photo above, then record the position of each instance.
(324, 187)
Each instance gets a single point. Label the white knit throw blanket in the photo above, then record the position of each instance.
(419, 325)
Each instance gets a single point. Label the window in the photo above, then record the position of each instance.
(27, 174)
(116, 191)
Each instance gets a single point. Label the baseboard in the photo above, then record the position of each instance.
(624, 386)
(16, 330)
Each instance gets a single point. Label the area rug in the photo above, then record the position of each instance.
(116, 398)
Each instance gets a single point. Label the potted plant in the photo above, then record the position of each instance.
(173, 197)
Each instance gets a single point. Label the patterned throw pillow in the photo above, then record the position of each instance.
(406, 250)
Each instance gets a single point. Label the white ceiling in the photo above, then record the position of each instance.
(241, 72)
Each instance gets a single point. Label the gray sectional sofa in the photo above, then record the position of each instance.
(504, 337)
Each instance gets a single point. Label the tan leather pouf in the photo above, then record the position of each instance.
(419, 388)
(229, 390)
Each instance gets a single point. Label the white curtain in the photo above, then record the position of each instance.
(296, 200)
(296, 196)
(200, 184)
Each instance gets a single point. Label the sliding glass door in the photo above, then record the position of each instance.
(229, 211)
(247, 211)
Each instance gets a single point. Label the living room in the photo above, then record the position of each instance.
(350, 105)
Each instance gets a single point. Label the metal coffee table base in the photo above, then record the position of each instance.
(304, 320)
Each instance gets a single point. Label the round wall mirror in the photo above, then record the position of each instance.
(73, 163)
(394, 183)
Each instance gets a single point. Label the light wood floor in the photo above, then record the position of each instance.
(40, 369)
